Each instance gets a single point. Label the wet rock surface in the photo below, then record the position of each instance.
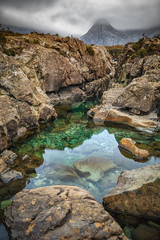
(113, 115)
(10, 175)
(59, 212)
(130, 145)
(136, 193)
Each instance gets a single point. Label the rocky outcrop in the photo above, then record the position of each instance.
(137, 59)
(36, 65)
(130, 145)
(138, 96)
(137, 193)
(139, 75)
(59, 212)
(22, 103)
(138, 66)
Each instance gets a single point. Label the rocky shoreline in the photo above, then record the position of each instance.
(38, 71)
(46, 70)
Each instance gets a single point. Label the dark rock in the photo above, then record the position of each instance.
(144, 232)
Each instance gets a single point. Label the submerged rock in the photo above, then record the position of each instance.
(137, 192)
(94, 167)
(10, 175)
(130, 145)
(59, 212)
(61, 174)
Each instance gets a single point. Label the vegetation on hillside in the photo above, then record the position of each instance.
(90, 50)
(115, 51)
(146, 47)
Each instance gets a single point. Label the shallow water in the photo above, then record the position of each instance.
(54, 152)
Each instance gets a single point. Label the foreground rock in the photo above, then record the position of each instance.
(130, 145)
(93, 168)
(137, 192)
(59, 212)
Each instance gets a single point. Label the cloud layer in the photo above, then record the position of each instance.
(75, 17)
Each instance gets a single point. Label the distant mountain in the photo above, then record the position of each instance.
(16, 29)
(102, 33)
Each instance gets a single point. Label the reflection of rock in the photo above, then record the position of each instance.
(59, 212)
(144, 232)
(93, 168)
(65, 174)
(137, 192)
(11, 188)
(30, 163)
(129, 145)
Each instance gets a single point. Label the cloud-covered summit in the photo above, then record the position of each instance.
(75, 17)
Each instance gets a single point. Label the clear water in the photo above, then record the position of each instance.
(71, 138)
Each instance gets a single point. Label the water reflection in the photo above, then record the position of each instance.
(74, 137)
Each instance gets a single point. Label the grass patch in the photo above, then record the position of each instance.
(90, 50)
(9, 51)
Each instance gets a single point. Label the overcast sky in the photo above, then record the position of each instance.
(75, 17)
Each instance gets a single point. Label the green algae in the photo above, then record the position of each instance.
(5, 204)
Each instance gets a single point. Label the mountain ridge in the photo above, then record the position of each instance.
(103, 33)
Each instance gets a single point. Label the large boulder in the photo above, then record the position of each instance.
(59, 212)
(138, 95)
(137, 193)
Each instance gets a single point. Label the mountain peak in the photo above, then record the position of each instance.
(102, 33)
(102, 21)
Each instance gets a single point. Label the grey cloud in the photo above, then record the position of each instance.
(76, 16)
(31, 5)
